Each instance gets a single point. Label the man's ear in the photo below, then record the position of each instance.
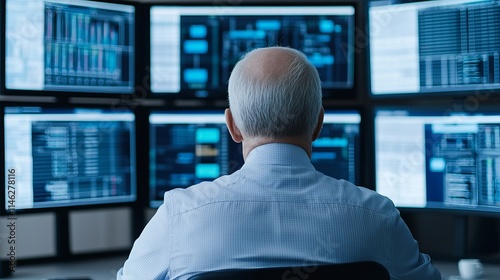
(231, 126)
(319, 125)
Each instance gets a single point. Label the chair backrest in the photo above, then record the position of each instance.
(341, 271)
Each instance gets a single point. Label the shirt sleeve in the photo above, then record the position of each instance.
(148, 258)
(407, 261)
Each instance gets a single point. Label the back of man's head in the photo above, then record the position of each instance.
(275, 92)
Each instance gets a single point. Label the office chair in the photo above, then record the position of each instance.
(341, 271)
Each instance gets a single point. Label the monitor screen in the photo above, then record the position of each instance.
(336, 152)
(194, 49)
(193, 146)
(69, 157)
(428, 159)
(446, 46)
(70, 46)
(189, 147)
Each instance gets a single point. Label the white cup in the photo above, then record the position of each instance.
(470, 268)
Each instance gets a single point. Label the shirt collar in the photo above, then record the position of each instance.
(278, 154)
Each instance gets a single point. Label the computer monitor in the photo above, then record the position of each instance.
(336, 152)
(427, 158)
(422, 47)
(187, 147)
(68, 157)
(69, 46)
(194, 48)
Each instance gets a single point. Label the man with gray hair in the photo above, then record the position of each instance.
(277, 210)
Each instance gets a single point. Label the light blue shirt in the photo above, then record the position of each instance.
(277, 210)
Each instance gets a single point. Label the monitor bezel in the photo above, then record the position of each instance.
(64, 94)
(456, 107)
(221, 94)
(480, 90)
(64, 208)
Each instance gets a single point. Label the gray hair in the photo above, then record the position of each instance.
(276, 106)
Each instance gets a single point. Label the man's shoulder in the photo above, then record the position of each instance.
(228, 188)
(185, 199)
(360, 196)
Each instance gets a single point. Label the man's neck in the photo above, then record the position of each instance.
(250, 144)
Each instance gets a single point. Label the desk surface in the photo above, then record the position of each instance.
(105, 269)
(98, 269)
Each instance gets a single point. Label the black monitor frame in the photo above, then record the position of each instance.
(220, 95)
(65, 208)
(62, 94)
(479, 90)
(438, 109)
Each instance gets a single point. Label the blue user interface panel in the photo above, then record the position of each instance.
(421, 47)
(336, 152)
(190, 147)
(428, 159)
(187, 148)
(193, 49)
(69, 45)
(70, 157)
